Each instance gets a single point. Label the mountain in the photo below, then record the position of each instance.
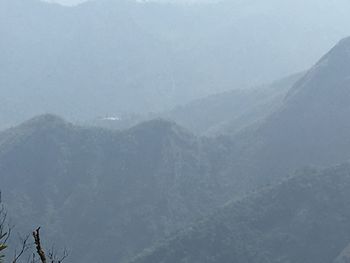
(107, 195)
(232, 111)
(119, 192)
(110, 57)
(309, 128)
(302, 219)
(224, 113)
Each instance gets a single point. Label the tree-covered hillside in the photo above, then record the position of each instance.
(156, 190)
(130, 188)
(117, 192)
(303, 219)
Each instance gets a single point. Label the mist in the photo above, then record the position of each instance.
(167, 131)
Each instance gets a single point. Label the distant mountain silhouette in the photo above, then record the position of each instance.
(223, 113)
(230, 112)
(302, 219)
(119, 192)
(110, 57)
(311, 126)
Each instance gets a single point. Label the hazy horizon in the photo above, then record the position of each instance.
(168, 131)
(77, 2)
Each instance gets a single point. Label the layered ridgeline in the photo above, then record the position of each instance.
(107, 195)
(310, 128)
(303, 219)
(117, 192)
(108, 57)
(230, 112)
(224, 113)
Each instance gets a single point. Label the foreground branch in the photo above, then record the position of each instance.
(39, 249)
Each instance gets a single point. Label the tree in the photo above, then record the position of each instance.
(38, 255)
(4, 232)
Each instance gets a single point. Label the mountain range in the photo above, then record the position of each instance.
(150, 56)
(224, 113)
(206, 169)
(115, 192)
(302, 219)
(309, 128)
(111, 194)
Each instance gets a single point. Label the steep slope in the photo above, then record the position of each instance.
(344, 256)
(230, 112)
(311, 126)
(221, 114)
(111, 193)
(107, 57)
(303, 219)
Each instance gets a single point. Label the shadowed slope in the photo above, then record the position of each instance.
(303, 219)
(115, 191)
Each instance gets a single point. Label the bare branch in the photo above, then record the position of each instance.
(53, 257)
(39, 249)
(24, 247)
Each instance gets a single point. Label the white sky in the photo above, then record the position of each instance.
(66, 2)
(75, 2)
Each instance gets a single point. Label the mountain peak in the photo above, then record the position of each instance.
(328, 78)
(44, 122)
(345, 41)
(46, 118)
(310, 128)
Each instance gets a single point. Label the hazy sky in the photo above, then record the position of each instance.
(67, 2)
(75, 2)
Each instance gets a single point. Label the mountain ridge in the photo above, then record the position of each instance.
(292, 221)
(144, 183)
(97, 44)
(309, 128)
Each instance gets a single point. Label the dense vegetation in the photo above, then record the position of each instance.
(155, 192)
(103, 188)
(303, 219)
(121, 191)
